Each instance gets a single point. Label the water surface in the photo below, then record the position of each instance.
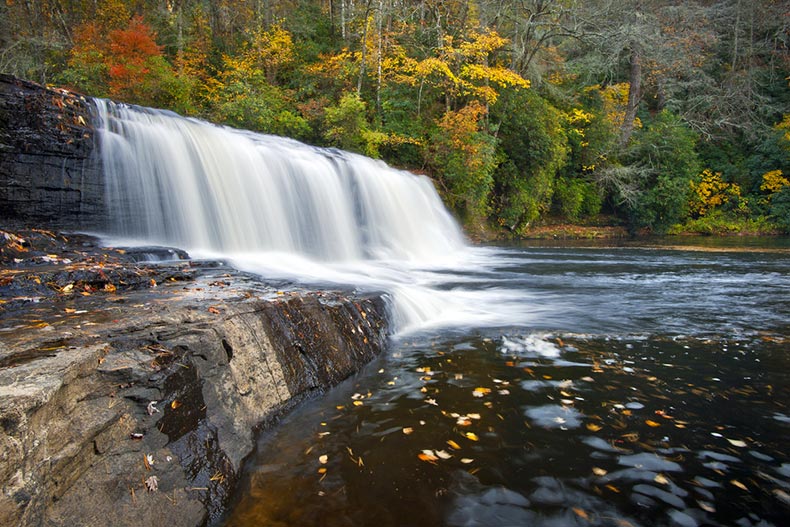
(553, 386)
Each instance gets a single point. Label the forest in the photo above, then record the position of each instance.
(660, 116)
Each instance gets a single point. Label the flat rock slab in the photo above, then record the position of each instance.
(130, 393)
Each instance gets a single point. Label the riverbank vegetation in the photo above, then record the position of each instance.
(662, 116)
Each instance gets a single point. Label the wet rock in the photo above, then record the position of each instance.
(218, 353)
(49, 171)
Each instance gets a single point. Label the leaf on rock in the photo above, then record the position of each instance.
(152, 484)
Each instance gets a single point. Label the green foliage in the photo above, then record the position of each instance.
(666, 150)
(576, 199)
(346, 124)
(780, 208)
(463, 155)
(721, 222)
(534, 144)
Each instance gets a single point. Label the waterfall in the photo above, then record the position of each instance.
(190, 184)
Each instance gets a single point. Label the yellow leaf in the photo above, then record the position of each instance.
(408, 430)
(661, 479)
(110, 288)
(175, 404)
(648, 422)
(453, 444)
(739, 484)
(580, 513)
(592, 427)
(599, 471)
(358, 403)
(322, 470)
(425, 456)
(472, 436)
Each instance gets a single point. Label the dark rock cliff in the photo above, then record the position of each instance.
(50, 173)
(130, 394)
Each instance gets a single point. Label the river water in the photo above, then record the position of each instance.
(626, 386)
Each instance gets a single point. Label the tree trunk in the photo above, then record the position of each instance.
(634, 96)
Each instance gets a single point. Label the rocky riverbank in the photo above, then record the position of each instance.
(130, 393)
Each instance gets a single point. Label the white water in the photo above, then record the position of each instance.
(287, 210)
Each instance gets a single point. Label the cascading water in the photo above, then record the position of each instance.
(187, 183)
(284, 209)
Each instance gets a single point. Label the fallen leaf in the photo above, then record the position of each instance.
(453, 444)
(481, 392)
(442, 454)
(408, 430)
(472, 436)
(322, 470)
(358, 403)
(152, 484)
(661, 479)
(592, 427)
(648, 422)
(737, 442)
(738, 484)
(175, 404)
(110, 288)
(213, 310)
(427, 455)
(151, 408)
(580, 513)
(599, 471)
(323, 459)
(466, 460)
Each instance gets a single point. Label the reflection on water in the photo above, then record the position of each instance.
(652, 390)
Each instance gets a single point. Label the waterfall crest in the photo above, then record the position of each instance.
(191, 184)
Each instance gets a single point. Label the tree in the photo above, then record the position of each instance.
(664, 155)
(463, 156)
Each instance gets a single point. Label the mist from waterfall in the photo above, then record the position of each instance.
(287, 210)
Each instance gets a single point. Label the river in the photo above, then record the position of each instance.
(625, 386)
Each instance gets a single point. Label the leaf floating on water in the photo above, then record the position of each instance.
(431, 401)
(175, 404)
(599, 471)
(707, 507)
(358, 403)
(739, 484)
(737, 442)
(481, 391)
(213, 310)
(323, 459)
(453, 444)
(466, 460)
(408, 430)
(110, 288)
(471, 436)
(661, 479)
(580, 513)
(592, 427)
(442, 454)
(428, 456)
(322, 470)
(648, 422)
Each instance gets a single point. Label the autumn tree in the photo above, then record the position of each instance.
(462, 154)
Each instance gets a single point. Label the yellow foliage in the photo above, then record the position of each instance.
(773, 181)
(615, 102)
(710, 192)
